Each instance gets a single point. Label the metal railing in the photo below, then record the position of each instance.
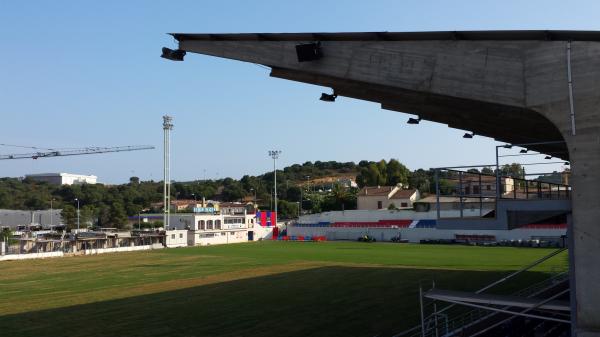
(462, 194)
(439, 324)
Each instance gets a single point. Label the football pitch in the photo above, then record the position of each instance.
(250, 289)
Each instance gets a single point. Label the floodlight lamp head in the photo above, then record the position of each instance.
(414, 120)
(328, 98)
(309, 51)
(274, 154)
(167, 122)
(173, 55)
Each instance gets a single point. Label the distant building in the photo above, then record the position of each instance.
(484, 185)
(236, 208)
(214, 228)
(207, 206)
(381, 197)
(15, 218)
(347, 182)
(63, 178)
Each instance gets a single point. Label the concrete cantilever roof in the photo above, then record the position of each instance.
(515, 86)
(489, 35)
(486, 82)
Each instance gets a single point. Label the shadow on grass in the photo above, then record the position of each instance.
(326, 301)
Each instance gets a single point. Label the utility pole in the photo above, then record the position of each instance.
(77, 199)
(300, 205)
(275, 155)
(167, 127)
(51, 215)
(253, 200)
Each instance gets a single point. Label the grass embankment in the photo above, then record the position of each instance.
(258, 289)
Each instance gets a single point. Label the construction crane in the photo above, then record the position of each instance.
(75, 152)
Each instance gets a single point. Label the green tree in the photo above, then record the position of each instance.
(339, 194)
(6, 234)
(118, 216)
(446, 187)
(370, 176)
(86, 215)
(69, 216)
(397, 173)
(487, 170)
(286, 209)
(422, 180)
(512, 170)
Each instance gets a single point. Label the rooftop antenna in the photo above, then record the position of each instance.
(167, 127)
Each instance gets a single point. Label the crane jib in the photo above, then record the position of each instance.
(76, 152)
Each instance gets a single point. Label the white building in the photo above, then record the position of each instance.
(176, 238)
(214, 228)
(382, 197)
(63, 178)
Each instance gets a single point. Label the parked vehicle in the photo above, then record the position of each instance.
(367, 238)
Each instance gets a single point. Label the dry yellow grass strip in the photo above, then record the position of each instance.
(96, 295)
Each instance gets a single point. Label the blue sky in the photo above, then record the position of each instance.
(88, 73)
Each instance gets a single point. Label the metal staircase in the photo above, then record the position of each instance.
(454, 320)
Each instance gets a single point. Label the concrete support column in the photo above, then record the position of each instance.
(585, 181)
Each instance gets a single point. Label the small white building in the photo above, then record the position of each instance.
(382, 197)
(63, 178)
(176, 238)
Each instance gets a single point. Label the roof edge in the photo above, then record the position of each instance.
(535, 35)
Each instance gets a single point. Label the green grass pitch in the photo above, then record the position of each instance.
(251, 289)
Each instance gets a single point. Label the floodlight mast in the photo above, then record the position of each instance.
(167, 127)
(275, 155)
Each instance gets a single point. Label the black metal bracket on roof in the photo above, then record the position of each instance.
(307, 52)
(173, 55)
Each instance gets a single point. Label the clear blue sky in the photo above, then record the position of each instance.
(88, 73)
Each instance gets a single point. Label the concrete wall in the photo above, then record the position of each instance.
(30, 256)
(417, 234)
(93, 251)
(261, 233)
(375, 215)
(204, 238)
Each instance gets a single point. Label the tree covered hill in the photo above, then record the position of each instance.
(311, 184)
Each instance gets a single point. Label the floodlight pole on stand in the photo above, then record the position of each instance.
(167, 127)
(275, 155)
